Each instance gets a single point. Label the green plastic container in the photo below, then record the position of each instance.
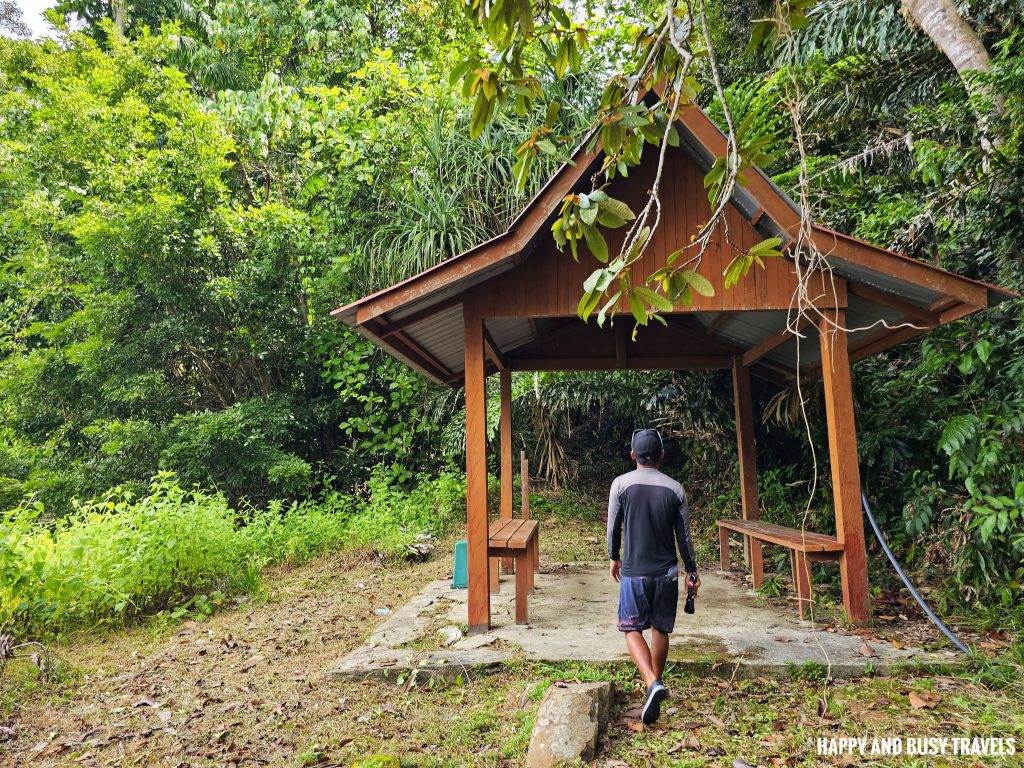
(461, 578)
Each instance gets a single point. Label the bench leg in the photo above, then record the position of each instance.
(522, 585)
(493, 564)
(723, 548)
(802, 579)
(756, 563)
(536, 553)
(531, 559)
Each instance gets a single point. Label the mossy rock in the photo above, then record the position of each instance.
(378, 761)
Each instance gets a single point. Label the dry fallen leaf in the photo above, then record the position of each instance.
(867, 650)
(923, 700)
(635, 725)
(717, 721)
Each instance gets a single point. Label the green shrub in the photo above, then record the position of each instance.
(120, 557)
(116, 556)
(391, 519)
(298, 531)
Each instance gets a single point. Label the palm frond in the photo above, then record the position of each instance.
(840, 27)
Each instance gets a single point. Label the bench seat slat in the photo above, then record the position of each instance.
(525, 532)
(804, 541)
(498, 532)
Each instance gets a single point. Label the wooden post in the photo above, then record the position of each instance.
(524, 478)
(522, 586)
(505, 429)
(479, 598)
(723, 548)
(842, 447)
(802, 583)
(744, 409)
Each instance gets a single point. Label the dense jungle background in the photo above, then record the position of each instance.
(187, 189)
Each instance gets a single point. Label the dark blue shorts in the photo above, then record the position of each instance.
(647, 601)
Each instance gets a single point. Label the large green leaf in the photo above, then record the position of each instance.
(596, 243)
(699, 283)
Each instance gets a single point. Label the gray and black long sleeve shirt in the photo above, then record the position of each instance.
(648, 514)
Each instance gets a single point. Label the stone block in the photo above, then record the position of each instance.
(568, 723)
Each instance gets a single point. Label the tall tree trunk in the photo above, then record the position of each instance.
(962, 45)
(941, 21)
(119, 13)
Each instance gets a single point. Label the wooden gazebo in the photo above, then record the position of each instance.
(510, 304)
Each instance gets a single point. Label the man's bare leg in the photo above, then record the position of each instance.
(659, 652)
(642, 655)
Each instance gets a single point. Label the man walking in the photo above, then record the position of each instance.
(648, 515)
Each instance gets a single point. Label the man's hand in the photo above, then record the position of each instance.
(695, 583)
(615, 569)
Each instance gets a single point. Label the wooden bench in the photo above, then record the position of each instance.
(516, 537)
(803, 546)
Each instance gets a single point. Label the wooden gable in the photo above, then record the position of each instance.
(549, 283)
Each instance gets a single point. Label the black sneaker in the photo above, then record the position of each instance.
(652, 706)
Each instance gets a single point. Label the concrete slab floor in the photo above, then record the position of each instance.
(572, 618)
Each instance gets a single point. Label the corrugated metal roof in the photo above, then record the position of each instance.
(510, 333)
(442, 336)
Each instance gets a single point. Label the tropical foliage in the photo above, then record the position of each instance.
(187, 189)
(121, 556)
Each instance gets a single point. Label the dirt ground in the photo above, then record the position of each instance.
(248, 687)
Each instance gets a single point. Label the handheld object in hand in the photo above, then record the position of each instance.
(691, 592)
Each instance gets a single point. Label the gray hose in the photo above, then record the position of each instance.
(920, 600)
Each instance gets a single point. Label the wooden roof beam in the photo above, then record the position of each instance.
(775, 374)
(669, 362)
(886, 299)
(774, 340)
(879, 341)
(402, 323)
(415, 350)
(717, 323)
(494, 351)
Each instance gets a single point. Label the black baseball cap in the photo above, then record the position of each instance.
(646, 445)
